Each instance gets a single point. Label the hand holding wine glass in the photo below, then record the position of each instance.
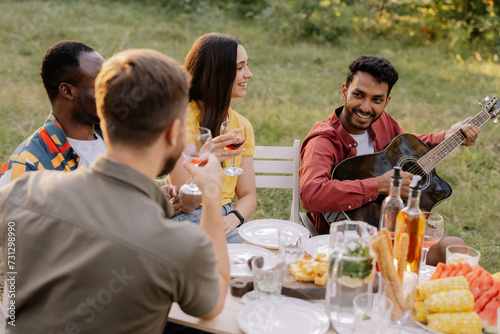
(171, 191)
(208, 177)
(219, 149)
(197, 148)
(238, 128)
(434, 230)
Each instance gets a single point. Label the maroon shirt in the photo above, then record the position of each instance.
(326, 146)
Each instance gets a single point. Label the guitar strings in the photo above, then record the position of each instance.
(416, 170)
(448, 145)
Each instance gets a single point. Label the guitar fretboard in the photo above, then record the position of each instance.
(429, 161)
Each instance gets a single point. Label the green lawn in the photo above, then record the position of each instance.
(294, 85)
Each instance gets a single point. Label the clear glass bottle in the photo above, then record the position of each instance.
(392, 204)
(412, 221)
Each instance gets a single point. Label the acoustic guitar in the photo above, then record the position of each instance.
(412, 155)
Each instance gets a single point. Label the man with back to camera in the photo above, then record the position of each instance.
(360, 126)
(96, 252)
(71, 135)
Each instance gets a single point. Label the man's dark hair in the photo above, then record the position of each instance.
(61, 64)
(380, 68)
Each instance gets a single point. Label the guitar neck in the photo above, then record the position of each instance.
(429, 161)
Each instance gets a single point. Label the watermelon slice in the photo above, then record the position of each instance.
(489, 315)
(476, 274)
(439, 270)
(477, 270)
(448, 270)
(466, 268)
(455, 270)
(481, 284)
(487, 296)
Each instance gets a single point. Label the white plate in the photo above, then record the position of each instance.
(282, 315)
(244, 251)
(318, 244)
(264, 232)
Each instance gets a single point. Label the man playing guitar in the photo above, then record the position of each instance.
(360, 126)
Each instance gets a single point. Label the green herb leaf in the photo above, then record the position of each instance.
(357, 269)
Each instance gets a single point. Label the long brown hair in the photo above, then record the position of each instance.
(212, 65)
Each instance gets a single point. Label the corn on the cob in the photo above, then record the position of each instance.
(419, 312)
(455, 323)
(450, 301)
(440, 285)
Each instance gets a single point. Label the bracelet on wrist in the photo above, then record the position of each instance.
(239, 215)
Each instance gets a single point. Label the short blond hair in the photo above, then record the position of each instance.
(139, 93)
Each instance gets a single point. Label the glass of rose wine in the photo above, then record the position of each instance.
(237, 128)
(434, 229)
(197, 148)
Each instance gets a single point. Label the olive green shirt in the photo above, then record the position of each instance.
(95, 252)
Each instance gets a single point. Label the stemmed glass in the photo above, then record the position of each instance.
(197, 148)
(168, 189)
(163, 183)
(237, 128)
(434, 229)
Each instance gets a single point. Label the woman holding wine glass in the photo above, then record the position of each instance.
(218, 65)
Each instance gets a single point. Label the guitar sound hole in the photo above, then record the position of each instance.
(410, 165)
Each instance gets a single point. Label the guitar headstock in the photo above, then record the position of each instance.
(492, 106)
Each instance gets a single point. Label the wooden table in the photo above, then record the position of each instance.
(224, 323)
(227, 321)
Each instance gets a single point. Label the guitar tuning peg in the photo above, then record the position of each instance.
(484, 101)
(495, 120)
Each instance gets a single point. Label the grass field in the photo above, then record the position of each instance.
(294, 85)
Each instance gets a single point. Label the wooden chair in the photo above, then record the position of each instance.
(271, 163)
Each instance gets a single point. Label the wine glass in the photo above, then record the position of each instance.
(237, 128)
(197, 148)
(168, 189)
(162, 182)
(434, 229)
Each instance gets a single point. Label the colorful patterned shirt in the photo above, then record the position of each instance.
(46, 148)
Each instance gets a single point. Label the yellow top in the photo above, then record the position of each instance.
(228, 189)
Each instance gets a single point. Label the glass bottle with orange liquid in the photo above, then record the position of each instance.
(392, 204)
(412, 221)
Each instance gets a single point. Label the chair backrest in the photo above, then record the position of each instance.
(271, 162)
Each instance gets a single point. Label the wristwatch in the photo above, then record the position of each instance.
(240, 217)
